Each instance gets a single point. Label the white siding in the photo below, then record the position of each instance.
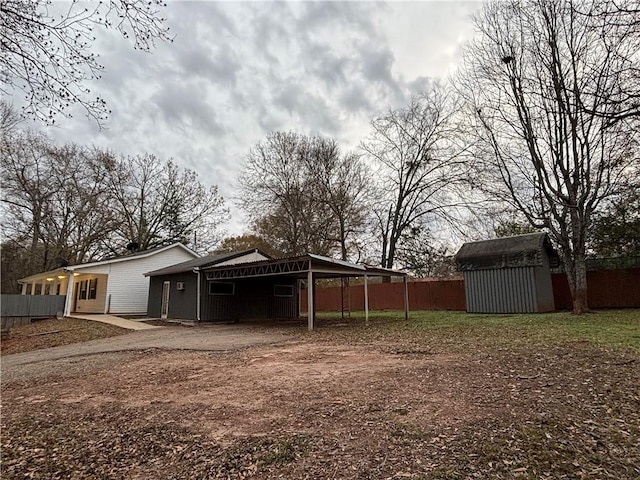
(127, 287)
(249, 257)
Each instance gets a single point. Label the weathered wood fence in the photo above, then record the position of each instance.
(607, 289)
(21, 309)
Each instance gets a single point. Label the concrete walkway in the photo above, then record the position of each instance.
(113, 320)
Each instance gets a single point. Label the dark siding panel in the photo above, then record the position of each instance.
(155, 297)
(182, 303)
(253, 298)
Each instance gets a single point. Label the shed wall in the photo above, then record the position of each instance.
(252, 298)
(503, 290)
(182, 303)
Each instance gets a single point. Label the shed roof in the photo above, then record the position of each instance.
(203, 262)
(506, 252)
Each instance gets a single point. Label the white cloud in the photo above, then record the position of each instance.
(237, 71)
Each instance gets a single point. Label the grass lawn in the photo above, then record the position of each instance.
(459, 330)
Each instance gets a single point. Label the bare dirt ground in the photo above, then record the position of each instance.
(328, 405)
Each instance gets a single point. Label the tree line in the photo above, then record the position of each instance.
(537, 130)
(68, 204)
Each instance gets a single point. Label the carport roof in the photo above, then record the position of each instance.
(298, 266)
(201, 262)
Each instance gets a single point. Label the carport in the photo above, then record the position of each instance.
(307, 268)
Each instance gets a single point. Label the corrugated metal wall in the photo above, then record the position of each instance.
(252, 298)
(503, 290)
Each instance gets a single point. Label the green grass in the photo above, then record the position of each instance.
(610, 328)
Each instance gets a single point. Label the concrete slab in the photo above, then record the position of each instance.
(117, 321)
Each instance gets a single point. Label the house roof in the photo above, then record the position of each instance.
(507, 252)
(124, 258)
(203, 262)
(297, 266)
(48, 273)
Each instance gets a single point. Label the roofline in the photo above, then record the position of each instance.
(337, 267)
(194, 269)
(81, 266)
(47, 273)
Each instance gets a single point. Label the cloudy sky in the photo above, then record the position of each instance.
(239, 70)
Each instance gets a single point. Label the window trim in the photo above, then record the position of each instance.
(83, 289)
(233, 288)
(289, 287)
(92, 289)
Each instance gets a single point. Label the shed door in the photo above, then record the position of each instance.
(165, 299)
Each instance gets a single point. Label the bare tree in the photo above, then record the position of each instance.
(161, 204)
(9, 118)
(341, 183)
(419, 167)
(246, 242)
(302, 195)
(542, 84)
(47, 49)
(55, 204)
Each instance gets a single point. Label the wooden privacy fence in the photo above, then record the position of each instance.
(607, 289)
(20, 309)
(423, 295)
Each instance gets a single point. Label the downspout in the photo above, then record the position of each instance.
(197, 272)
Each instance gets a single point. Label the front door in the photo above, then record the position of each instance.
(165, 300)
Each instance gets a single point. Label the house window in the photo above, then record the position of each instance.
(47, 289)
(82, 292)
(283, 290)
(93, 288)
(38, 289)
(221, 288)
(58, 287)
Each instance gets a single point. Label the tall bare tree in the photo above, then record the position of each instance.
(162, 204)
(543, 83)
(303, 195)
(48, 49)
(341, 183)
(419, 165)
(54, 200)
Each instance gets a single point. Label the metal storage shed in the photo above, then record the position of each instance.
(508, 275)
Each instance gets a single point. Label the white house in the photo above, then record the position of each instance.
(116, 285)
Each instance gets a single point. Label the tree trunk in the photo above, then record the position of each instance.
(576, 271)
(579, 289)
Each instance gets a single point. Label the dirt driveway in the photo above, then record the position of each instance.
(237, 402)
(215, 337)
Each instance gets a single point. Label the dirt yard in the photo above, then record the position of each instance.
(345, 402)
(55, 332)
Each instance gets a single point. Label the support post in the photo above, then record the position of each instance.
(68, 301)
(366, 301)
(198, 306)
(406, 298)
(310, 309)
